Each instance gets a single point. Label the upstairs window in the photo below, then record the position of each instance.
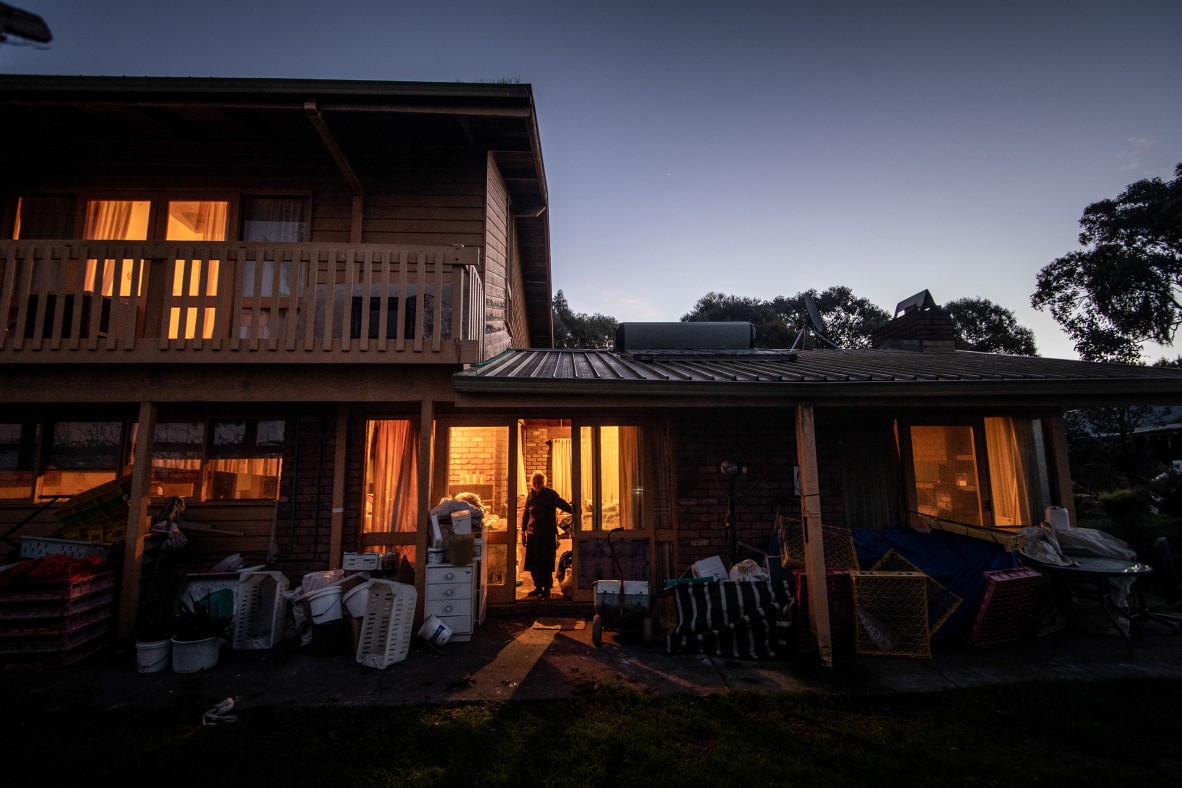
(275, 219)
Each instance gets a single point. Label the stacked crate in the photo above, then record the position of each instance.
(57, 620)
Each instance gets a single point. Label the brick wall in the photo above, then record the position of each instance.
(304, 516)
(766, 442)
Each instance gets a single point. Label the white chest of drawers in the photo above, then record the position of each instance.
(450, 595)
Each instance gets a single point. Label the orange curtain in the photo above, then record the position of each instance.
(393, 461)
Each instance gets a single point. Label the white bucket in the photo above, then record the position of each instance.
(435, 555)
(190, 656)
(151, 656)
(435, 631)
(355, 600)
(325, 604)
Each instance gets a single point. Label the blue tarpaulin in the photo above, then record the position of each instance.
(956, 562)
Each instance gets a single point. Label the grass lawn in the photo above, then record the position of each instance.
(1123, 733)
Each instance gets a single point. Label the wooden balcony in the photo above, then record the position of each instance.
(117, 302)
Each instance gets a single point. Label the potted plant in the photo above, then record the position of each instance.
(198, 628)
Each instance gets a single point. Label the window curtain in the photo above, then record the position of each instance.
(109, 220)
(522, 479)
(629, 477)
(1007, 476)
(275, 219)
(561, 460)
(393, 456)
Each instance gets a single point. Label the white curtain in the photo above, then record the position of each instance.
(1007, 475)
(560, 457)
(522, 479)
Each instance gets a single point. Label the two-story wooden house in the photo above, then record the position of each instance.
(315, 309)
(252, 294)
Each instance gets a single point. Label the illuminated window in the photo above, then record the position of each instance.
(245, 459)
(178, 449)
(945, 464)
(612, 483)
(990, 472)
(195, 280)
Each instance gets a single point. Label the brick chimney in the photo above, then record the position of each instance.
(919, 325)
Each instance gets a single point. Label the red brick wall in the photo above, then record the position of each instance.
(766, 441)
(304, 518)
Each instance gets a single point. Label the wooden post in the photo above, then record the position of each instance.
(1063, 491)
(133, 545)
(814, 546)
(335, 538)
(426, 444)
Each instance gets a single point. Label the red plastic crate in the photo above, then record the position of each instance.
(1005, 607)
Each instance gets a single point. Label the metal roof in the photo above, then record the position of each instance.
(817, 374)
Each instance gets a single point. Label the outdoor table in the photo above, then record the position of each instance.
(1087, 577)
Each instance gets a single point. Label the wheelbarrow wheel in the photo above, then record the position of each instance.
(597, 629)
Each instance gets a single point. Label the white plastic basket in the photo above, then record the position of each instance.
(38, 546)
(260, 610)
(387, 628)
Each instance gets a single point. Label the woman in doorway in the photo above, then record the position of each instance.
(539, 524)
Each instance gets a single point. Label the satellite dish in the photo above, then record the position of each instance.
(815, 322)
(810, 306)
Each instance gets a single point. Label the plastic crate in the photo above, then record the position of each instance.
(891, 613)
(1005, 607)
(387, 628)
(37, 546)
(260, 610)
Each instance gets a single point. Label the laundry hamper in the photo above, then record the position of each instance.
(387, 628)
(260, 610)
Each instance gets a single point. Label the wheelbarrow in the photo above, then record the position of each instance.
(621, 605)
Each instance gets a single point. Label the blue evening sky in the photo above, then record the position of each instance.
(750, 148)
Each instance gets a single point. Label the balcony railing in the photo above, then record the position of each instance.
(158, 302)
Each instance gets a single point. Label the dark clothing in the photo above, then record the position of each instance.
(539, 522)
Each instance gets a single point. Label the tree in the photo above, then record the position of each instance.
(770, 329)
(579, 330)
(849, 320)
(986, 327)
(1123, 290)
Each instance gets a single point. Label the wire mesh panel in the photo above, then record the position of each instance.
(838, 544)
(942, 603)
(891, 613)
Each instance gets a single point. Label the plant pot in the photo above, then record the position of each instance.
(151, 656)
(190, 656)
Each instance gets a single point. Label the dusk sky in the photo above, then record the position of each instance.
(750, 148)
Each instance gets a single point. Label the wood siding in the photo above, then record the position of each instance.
(496, 262)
